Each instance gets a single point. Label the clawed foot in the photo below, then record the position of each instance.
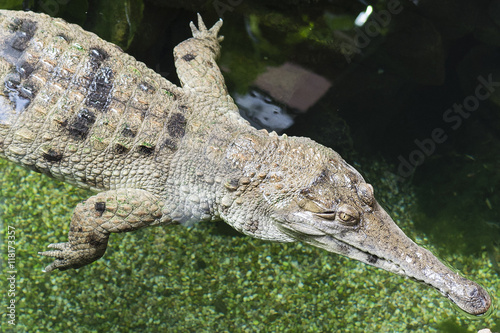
(67, 257)
(202, 31)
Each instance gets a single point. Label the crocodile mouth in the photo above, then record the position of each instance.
(326, 242)
(467, 295)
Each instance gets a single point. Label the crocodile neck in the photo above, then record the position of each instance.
(242, 172)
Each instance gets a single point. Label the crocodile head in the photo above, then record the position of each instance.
(336, 210)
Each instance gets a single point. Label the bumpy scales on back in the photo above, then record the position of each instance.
(80, 110)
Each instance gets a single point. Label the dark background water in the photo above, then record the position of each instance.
(406, 87)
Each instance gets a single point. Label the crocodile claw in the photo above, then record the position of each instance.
(202, 32)
(68, 257)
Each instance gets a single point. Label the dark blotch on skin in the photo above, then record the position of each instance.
(65, 37)
(27, 91)
(120, 149)
(52, 156)
(145, 150)
(252, 226)
(126, 131)
(344, 249)
(144, 86)
(176, 125)
(169, 143)
(75, 229)
(97, 55)
(100, 207)
(79, 128)
(24, 30)
(25, 70)
(188, 57)
(93, 240)
(306, 193)
(323, 177)
(100, 89)
(372, 259)
(20, 94)
(232, 184)
(12, 82)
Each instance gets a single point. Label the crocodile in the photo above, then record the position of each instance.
(80, 110)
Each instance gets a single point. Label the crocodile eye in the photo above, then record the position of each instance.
(345, 217)
(348, 215)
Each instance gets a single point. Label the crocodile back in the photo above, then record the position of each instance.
(81, 110)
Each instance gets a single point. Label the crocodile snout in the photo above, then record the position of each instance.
(470, 297)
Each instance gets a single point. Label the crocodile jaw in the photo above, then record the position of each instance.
(381, 243)
(466, 294)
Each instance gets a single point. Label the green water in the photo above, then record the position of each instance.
(394, 91)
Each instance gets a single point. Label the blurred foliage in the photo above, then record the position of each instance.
(272, 38)
(245, 56)
(339, 22)
(115, 21)
(12, 4)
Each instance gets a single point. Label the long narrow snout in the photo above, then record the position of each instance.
(392, 245)
(379, 242)
(466, 294)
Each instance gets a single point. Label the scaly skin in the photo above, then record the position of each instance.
(78, 109)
